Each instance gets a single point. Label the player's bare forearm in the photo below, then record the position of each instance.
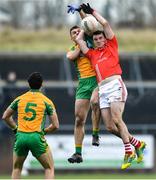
(100, 18)
(80, 41)
(10, 122)
(50, 129)
(83, 46)
(72, 55)
(106, 26)
(54, 124)
(7, 117)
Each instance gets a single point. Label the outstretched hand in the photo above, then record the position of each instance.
(72, 8)
(87, 8)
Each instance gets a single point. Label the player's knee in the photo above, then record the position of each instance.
(79, 121)
(110, 128)
(47, 165)
(94, 105)
(18, 166)
(116, 121)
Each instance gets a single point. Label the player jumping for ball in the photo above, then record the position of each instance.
(112, 90)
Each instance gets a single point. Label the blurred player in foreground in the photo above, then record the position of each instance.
(112, 90)
(32, 108)
(86, 94)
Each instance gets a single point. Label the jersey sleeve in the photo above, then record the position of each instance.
(50, 108)
(14, 104)
(72, 48)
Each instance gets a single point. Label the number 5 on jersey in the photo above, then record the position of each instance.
(30, 109)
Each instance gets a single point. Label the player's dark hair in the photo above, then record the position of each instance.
(74, 27)
(35, 80)
(99, 32)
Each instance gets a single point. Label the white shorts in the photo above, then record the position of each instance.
(112, 92)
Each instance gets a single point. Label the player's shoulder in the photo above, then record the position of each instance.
(46, 99)
(48, 102)
(114, 38)
(113, 41)
(19, 97)
(24, 95)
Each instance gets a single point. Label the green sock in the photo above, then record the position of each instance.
(78, 149)
(95, 132)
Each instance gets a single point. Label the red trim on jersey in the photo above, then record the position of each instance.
(105, 60)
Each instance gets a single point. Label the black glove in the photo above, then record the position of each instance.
(86, 8)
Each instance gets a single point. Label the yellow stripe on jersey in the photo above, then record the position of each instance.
(83, 66)
(32, 108)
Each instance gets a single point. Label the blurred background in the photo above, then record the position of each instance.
(34, 36)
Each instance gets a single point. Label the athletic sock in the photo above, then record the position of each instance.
(95, 132)
(128, 149)
(135, 142)
(78, 149)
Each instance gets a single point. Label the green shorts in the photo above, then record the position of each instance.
(86, 87)
(34, 142)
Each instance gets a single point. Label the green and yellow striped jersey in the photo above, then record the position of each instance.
(32, 108)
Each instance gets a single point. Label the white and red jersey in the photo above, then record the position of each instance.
(105, 60)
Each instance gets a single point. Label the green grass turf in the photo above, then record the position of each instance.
(93, 176)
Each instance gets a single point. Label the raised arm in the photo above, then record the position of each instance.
(73, 54)
(107, 29)
(82, 44)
